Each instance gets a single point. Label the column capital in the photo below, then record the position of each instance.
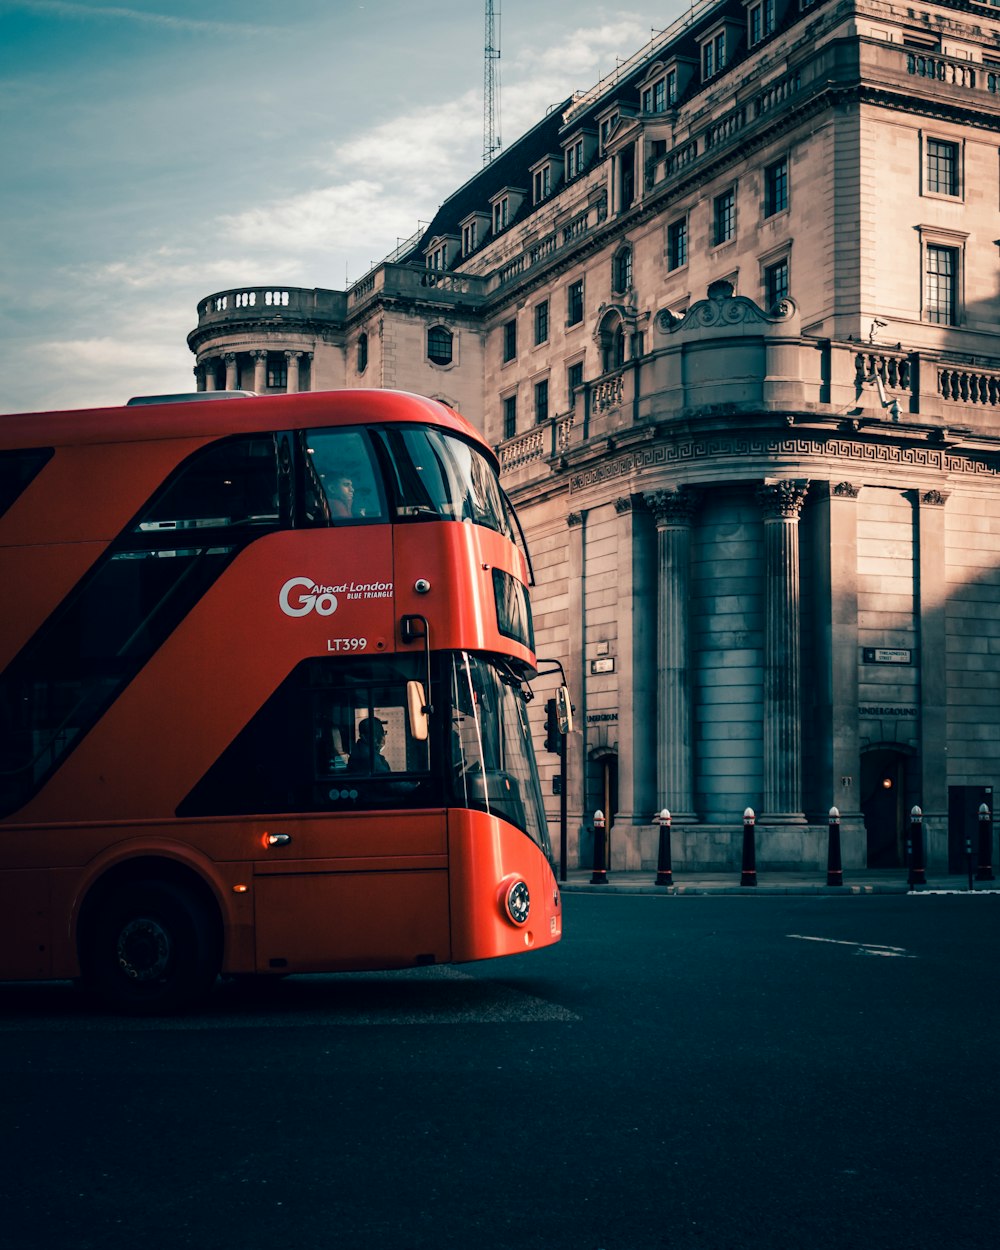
(672, 507)
(258, 354)
(293, 355)
(934, 498)
(783, 499)
(574, 519)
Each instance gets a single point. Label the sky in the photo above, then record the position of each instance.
(157, 151)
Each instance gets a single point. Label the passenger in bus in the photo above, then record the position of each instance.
(341, 495)
(367, 757)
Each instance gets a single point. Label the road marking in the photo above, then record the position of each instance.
(862, 948)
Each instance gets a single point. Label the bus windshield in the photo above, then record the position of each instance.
(492, 758)
(440, 477)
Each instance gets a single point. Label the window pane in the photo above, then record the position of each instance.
(942, 265)
(233, 482)
(341, 480)
(17, 468)
(439, 477)
(86, 654)
(335, 736)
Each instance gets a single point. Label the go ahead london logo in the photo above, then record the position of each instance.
(301, 595)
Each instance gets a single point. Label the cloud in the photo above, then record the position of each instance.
(387, 176)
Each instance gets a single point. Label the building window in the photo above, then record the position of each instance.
(277, 369)
(542, 184)
(362, 352)
(542, 322)
(510, 416)
(671, 87)
(621, 270)
(941, 284)
(574, 380)
(607, 126)
(761, 21)
(439, 345)
(574, 303)
(509, 340)
(943, 167)
(776, 187)
(677, 243)
(501, 214)
(542, 401)
(612, 341)
(724, 217)
(654, 97)
(469, 238)
(713, 55)
(776, 283)
(574, 159)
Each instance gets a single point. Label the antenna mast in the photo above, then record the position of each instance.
(491, 83)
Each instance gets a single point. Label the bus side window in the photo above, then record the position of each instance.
(231, 482)
(342, 484)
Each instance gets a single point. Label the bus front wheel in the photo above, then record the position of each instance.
(149, 947)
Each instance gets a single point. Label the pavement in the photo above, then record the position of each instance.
(860, 881)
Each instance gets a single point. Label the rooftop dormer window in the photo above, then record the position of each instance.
(760, 21)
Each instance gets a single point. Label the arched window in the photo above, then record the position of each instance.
(439, 345)
(612, 342)
(362, 352)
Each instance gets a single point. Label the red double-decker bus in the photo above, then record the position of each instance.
(262, 696)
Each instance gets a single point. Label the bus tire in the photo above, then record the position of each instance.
(149, 948)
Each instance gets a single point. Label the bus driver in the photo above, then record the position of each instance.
(367, 757)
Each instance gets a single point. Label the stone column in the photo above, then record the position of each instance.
(782, 503)
(636, 672)
(834, 561)
(208, 367)
(673, 511)
(259, 371)
(199, 378)
(231, 379)
(293, 372)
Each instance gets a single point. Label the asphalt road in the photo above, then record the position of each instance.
(679, 1072)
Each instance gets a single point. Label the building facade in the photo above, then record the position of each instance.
(730, 319)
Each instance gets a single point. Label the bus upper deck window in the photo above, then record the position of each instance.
(231, 482)
(441, 477)
(342, 484)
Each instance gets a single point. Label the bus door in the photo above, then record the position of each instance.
(347, 832)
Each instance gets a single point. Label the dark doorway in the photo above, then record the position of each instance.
(883, 774)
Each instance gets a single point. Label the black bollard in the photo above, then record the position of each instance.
(664, 870)
(749, 874)
(600, 874)
(834, 867)
(918, 872)
(984, 869)
(968, 861)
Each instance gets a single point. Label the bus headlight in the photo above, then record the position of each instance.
(517, 902)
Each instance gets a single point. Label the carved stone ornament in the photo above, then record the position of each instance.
(846, 490)
(934, 498)
(574, 519)
(782, 500)
(672, 507)
(723, 308)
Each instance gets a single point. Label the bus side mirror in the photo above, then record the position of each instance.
(416, 707)
(564, 710)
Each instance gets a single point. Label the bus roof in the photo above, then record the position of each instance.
(303, 409)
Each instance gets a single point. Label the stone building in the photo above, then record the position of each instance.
(730, 319)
